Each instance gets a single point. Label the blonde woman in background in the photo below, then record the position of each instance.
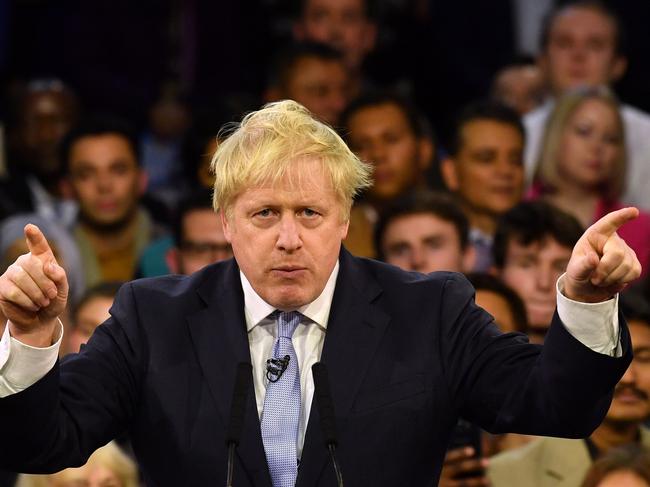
(107, 467)
(582, 165)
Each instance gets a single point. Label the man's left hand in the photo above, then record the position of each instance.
(601, 263)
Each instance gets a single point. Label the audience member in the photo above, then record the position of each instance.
(198, 236)
(532, 246)
(104, 176)
(387, 131)
(107, 467)
(424, 232)
(89, 313)
(346, 25)
(627, 466)
(485, 170)
(582, 165)
(565, 461)
(315, 76)
(519, 85)
(501, 301)
(161, 146)
(582, 45)
(43, 114)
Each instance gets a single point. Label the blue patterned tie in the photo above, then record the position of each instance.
(281, 413)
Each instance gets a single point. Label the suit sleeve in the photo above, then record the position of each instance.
(82, 403)
(505, 384)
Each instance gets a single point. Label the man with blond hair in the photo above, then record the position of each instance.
(406, 353)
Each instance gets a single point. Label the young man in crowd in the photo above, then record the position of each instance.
(556, 461)
(315, 76)
(198, 236)
(42, 116)
(424, 232)
(519, 85)
(582, 46)
(532, 247)
(484, 170)
(104, 176)
(387, 131)
(346, 25)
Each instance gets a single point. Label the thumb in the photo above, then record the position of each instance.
(582, 268)
(36, 241)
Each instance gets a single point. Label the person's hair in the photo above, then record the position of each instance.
(16, 107)
(370, 8)
(94, 126)
(487, 282)
(263, 147)
(439, 205)
(487, 109)
(416, 120)
(533, 221)
(106, 289)
(109, 456)
(634, 306)
(629, 458)
(200, 199)
(286, 61)
(595, 5)
(547, 172)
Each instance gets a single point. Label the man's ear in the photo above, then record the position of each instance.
(449, 173)
(298, 31)
(66, 189)
(143, 180)
(469, 258)
(426, 151)
(225, 222)
(172, 259)
(619, 67)
(369, 36)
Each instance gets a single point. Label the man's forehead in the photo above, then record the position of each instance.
(583, 19)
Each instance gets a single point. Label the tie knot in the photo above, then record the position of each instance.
(287, 323)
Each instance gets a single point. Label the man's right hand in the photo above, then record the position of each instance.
(34, 292)
(461, 468)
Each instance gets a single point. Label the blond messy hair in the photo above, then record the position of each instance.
(267, 142)
(547, 172)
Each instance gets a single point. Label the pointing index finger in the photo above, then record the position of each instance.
(611, 222)
(36, 241)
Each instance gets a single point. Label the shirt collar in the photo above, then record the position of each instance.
(318, 311)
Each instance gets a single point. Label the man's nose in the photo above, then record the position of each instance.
(289, 234)
(418, 260)
(544, 278)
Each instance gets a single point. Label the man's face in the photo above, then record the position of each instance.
(631, 401)
(497, 306)
(105, 179)
(487, 173)
(342, 24)
(422, 242)
(381, 135)
(321, 86)
(520, 87)
(46, 117)
(532, 270)
(203, 242)
(581, 51)
(286, 238)
(88, 317)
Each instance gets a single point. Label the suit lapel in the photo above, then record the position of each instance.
(220, 341)
(354, 330)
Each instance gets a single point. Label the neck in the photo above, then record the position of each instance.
(485, 222)
(108, 238)
(577, 201)
(613, 434)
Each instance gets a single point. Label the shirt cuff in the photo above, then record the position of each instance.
(595, 325)
(22, 365)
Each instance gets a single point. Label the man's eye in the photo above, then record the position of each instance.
(308, 212)
(265, 213)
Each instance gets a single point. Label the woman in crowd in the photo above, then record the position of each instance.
(581, 169)
(623, 467)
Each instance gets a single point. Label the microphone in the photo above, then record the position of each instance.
(327, 414)
(237, 411)
(275, 367)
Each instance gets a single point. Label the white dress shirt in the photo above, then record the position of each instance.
(594, 324)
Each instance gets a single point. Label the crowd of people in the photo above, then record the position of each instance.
(504, 199)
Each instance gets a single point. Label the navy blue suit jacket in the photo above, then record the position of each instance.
(407, 354)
